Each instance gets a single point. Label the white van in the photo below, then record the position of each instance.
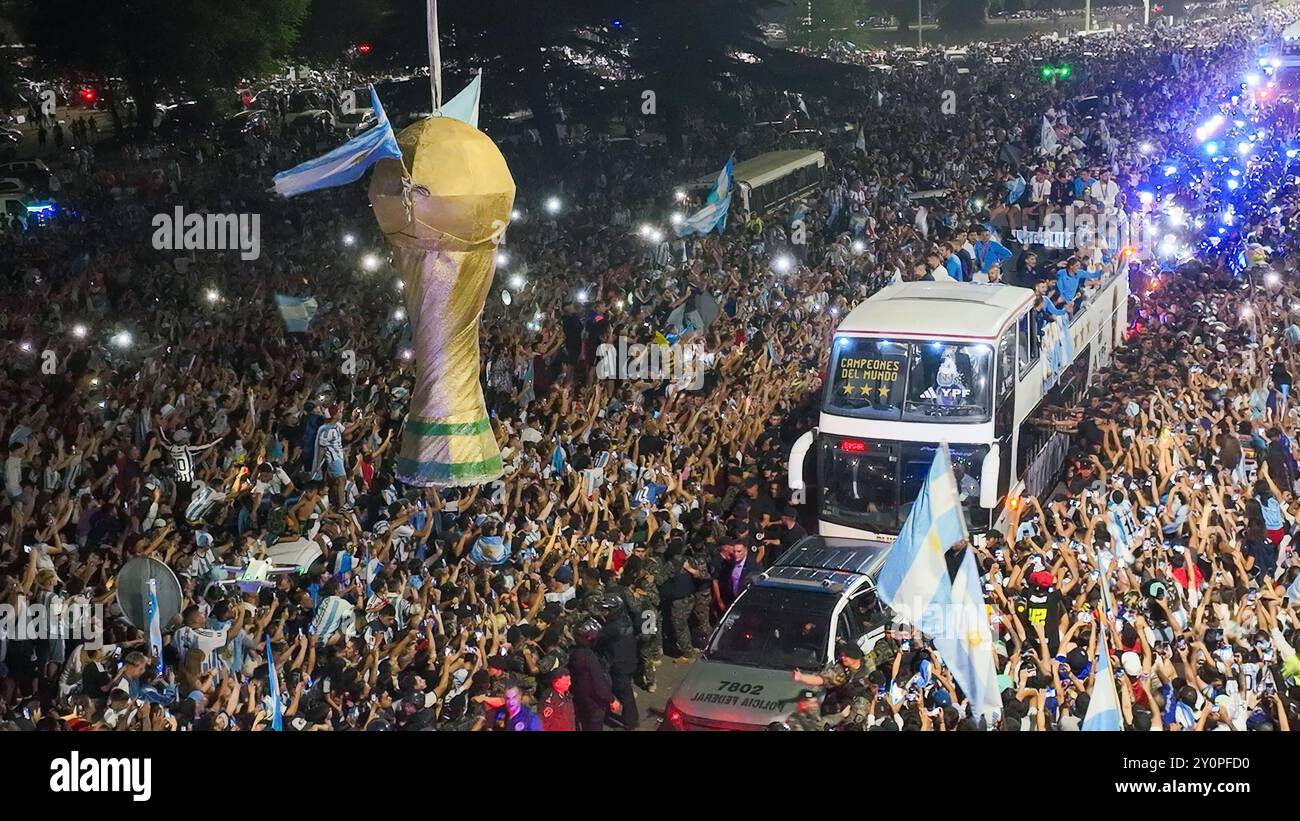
(14, 204)
(821, 590)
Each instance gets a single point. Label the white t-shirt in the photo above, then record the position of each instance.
(1105, 192)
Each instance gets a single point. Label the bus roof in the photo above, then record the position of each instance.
(767, 167)
(938, 309)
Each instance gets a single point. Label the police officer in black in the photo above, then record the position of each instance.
(617, 649)
(593, 699)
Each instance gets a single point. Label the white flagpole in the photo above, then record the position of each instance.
(435, 55)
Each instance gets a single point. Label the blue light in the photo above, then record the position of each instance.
(1232, 185)
(1243, 148)
(1171, 170)
(616, 23)
(1211, 148)
(1291, 154)
(1236, 172)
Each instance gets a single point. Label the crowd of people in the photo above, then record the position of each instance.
(174, 417)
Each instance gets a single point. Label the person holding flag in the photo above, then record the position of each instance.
(713, 216)
(947, 605)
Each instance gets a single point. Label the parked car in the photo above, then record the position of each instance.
(35, 174)
(356, 122)
(238, 127)
(10, 139)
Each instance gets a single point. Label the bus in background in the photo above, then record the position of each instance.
(769, 181)
(921, 363)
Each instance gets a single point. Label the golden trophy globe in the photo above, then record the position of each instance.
(443, 210)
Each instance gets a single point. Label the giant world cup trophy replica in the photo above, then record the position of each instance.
(444, 222)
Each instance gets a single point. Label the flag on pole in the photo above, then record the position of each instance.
(713, 216)
(344, 164)
(273, 686)
(914, 582)
(464, 106)
(1048, 141)
(916, 569)
(966, 645)
(155, 627)
(1103, 708)
(296, 311)
(861, 144)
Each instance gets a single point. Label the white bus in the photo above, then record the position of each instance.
(768, 181)
(923, 362)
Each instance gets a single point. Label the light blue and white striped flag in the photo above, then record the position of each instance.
(345, 164)
(296, 311)
(1103, 708)
(914, 582)
(273, 686)
(155, 627)
(464, 106)
(915, 570)
(713, 216)
(966, 645)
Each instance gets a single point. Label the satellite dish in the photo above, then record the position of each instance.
(133, 591)
(505, 296)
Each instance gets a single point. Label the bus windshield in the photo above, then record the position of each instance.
(775, 628)
(948, 380)
(910, 381)
(871, 484)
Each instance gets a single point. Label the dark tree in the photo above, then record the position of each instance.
(681, 48)
(156, 45)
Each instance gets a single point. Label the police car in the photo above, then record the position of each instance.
(821, 590)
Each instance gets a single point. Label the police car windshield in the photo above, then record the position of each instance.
(775, 628)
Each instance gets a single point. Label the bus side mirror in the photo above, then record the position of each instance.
(797, 453)
(989, 478)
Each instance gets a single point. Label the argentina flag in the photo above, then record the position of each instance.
(346, 163)
(464, 106)
(1103, 708)
(713, 216)
(915, 570)
(273, 687)
(297, 312)
(966, 642)
(155, 627)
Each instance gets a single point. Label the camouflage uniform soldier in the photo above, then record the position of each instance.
(846, 681)
(708, 561)
(644, 607)
(805, 716)
(881, 655)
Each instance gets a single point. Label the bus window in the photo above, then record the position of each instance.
(1006, 362)
(967, 461)
(859, 484)
(867, 378)
(866, 484)
(949, 380)
(1027, 341)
